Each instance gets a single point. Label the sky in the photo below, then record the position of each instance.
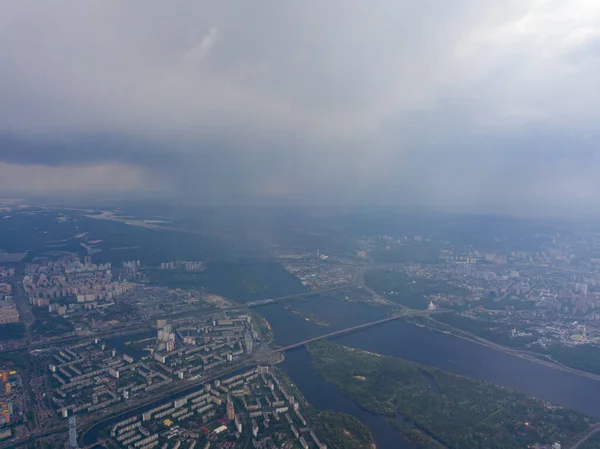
(468, 105)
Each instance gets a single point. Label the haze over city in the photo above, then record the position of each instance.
(467, 105)
(299, 225)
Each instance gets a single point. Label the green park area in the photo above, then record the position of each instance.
(584, 357)
(47, 324)
(438, 409)
(337, 430)
(12, 331)
(17, 359)
(343, 431)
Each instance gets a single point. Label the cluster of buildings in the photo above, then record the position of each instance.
(8, 309)
(535, 294)
(70, 277)
(10, 382)
(89, 377)
(196, 346)
(254, 404)
(131, 271)
(266, 402)
(165, 340)
(182, 265)
(131, 265)
(318, 271)
(7, 272)
(160, 423)
(154, 302)
(11, 404)
(5, 291)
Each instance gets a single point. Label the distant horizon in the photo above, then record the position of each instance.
(104, 202)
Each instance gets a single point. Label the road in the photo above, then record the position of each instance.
(297, 296)
(74, 338)
(34, 435)
(595, 429)
(150, 326)
(187, 385)
(26, 317)
(87, 424)
(22, 302)
(25, 311)
(190, 385)
(359, 281)
(358, 327)
(518, 353)
(138, 405)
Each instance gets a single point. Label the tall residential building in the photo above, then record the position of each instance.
(248, 343)
(72, 432)
(170, 345)
(8, 312)
(230, 411)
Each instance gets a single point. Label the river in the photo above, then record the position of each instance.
(401, 339)
(418, 344)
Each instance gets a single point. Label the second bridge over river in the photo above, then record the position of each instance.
(356, 328)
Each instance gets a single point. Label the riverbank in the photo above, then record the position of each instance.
(336, 430)
(325, 396)
(443, 409)
(527, 355)
(399, 338)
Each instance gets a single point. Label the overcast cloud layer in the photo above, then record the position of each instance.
(468, 104)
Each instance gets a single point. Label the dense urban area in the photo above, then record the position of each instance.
(151, 352)
(299, 225)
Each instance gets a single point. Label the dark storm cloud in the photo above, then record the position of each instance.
(82, 149)
(466, 104)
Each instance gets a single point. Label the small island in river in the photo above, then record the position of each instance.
(437, 409)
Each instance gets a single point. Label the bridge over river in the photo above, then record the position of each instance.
(308, 294)
(358, 327)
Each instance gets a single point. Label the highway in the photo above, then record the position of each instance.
(594, 430)
(73, 338)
